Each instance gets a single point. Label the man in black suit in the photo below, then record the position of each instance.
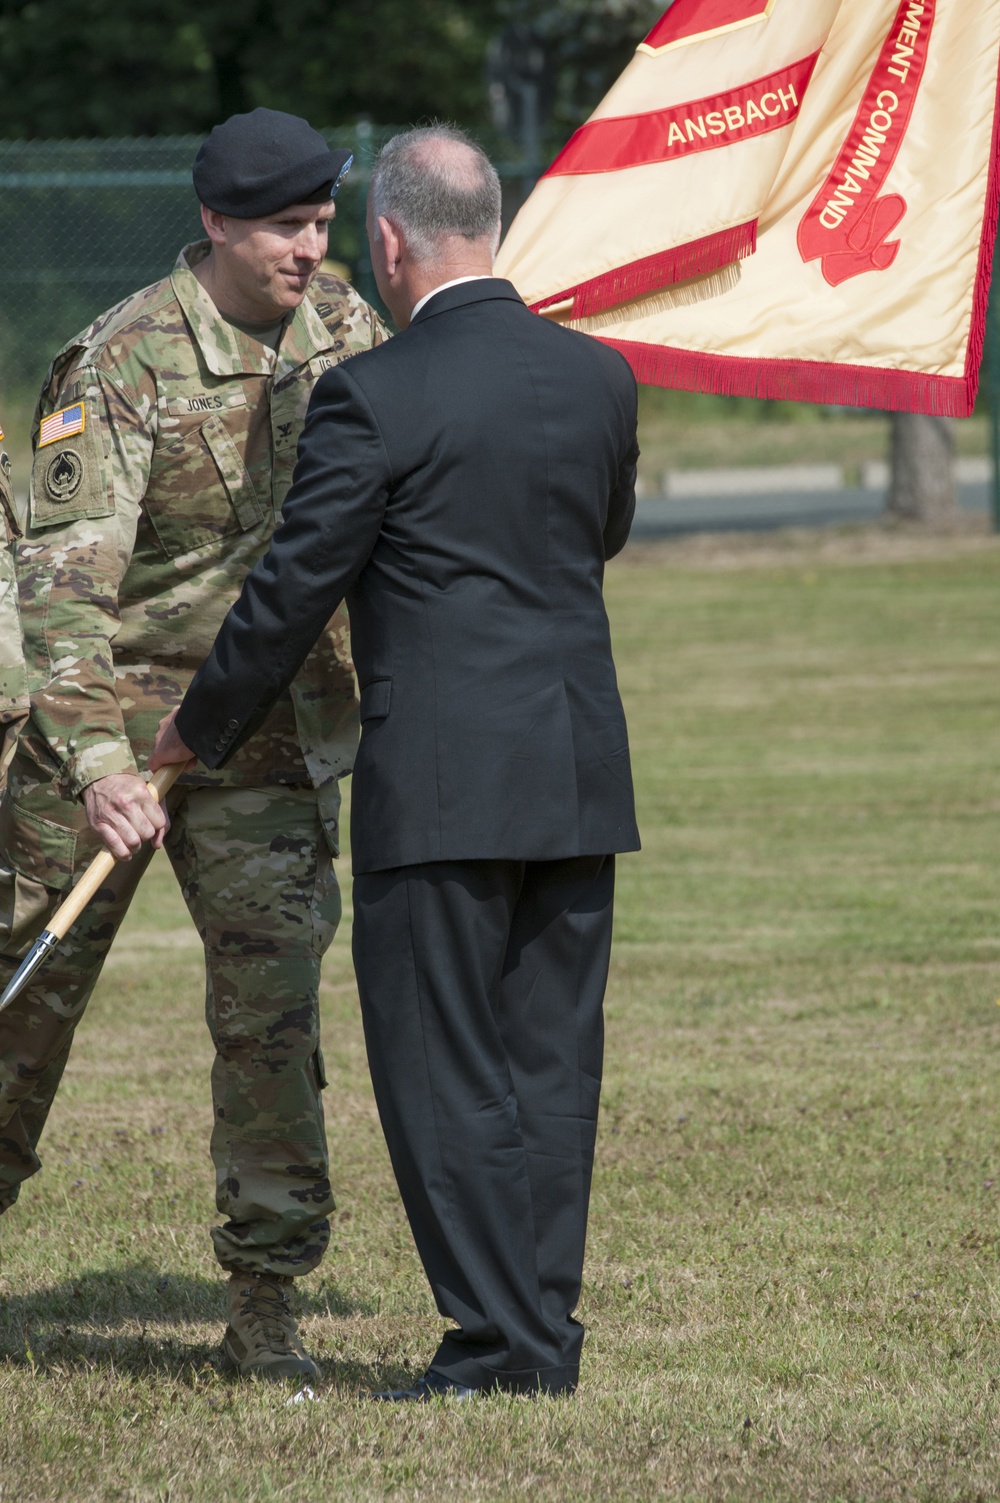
(462, 487)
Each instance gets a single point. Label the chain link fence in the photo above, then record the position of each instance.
(85, 223)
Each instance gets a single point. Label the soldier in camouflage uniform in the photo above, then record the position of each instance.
(164, 445)
(13, 684)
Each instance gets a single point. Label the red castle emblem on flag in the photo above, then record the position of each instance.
(847, 224)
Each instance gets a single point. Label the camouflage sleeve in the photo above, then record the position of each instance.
(89, 475)
(354, 324)
(13, 683)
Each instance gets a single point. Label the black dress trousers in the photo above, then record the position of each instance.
(482, 984)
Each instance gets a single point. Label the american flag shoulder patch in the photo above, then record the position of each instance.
(62, 424)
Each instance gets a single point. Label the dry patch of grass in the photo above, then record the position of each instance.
(792, 1285)
(802, 548)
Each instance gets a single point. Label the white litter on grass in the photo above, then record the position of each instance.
(303, 1396)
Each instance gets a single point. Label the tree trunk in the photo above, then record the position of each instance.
(922, 487)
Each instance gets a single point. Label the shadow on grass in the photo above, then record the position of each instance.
(73, 1325)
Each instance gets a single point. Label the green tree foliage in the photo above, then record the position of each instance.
(75, 68)
(114, 68)
(575, 49)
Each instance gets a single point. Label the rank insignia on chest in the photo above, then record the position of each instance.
(62, 424)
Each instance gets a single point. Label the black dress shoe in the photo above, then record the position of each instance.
(431, 1386)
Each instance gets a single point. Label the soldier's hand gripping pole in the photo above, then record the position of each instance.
(67, 913)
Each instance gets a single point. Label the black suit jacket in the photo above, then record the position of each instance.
(462, 486)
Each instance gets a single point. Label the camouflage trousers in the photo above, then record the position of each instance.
(257, 875)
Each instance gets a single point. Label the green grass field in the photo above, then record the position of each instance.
(793, 1286)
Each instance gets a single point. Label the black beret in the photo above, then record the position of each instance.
(257, 164)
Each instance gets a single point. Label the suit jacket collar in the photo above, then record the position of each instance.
(484, 289)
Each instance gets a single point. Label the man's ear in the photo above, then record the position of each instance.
(393, 242)
(215, 225)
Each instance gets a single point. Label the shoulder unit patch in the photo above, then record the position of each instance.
(63, 476)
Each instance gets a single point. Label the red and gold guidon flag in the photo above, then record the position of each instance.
(784, 199)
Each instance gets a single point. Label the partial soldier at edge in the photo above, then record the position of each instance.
(165, 440)
(13, 680)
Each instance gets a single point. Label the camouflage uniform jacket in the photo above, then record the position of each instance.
(165, 441)
(13, 684)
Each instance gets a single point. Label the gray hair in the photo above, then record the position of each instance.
(430, 190)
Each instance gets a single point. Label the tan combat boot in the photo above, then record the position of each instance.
(261, 1339)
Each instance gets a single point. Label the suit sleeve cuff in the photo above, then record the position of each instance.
(212, 747)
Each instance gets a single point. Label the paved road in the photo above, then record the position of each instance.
(666, 516)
